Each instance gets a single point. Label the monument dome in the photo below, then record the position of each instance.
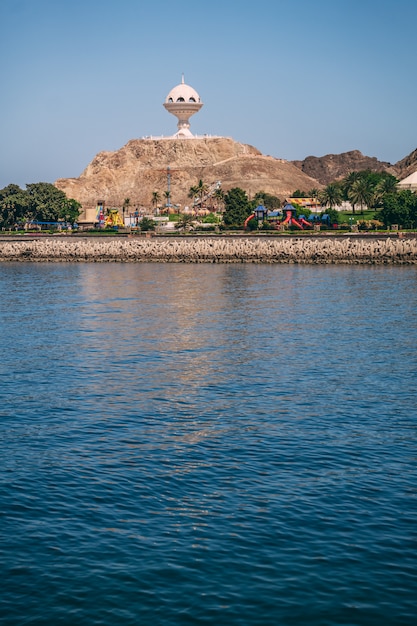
(183, 101)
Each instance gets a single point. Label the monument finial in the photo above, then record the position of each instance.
(182, 78)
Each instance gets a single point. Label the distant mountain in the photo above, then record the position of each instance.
(333, 167)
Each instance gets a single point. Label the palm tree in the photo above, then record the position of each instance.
(348, 181)
(184, 222)
(219, 198)
(360, 193)
(202, 189)
(313, 193)
(193, 193)
(155, 199)
(167, 195)
(125, 206)
(332, 195)
(387, 185)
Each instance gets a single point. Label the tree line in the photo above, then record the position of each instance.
(41, 202)
(377, 191)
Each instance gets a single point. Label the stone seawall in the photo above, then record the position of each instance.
(213, 250)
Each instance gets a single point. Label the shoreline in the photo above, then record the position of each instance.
(349, 250)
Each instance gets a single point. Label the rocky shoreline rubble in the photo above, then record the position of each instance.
(213, 250)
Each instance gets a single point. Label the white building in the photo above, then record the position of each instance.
(409, 183)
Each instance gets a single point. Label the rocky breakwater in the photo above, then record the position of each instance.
(214, 250)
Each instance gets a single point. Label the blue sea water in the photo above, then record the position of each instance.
(208, 444)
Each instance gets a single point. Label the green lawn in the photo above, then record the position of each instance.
(358, 216)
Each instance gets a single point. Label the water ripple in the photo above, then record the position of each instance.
(208, 445)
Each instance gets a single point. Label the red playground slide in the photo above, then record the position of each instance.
(300, 223)
(248, 219)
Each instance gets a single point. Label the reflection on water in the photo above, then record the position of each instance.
(208, 444)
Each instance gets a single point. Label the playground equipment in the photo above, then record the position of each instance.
(291, 220)
(320, 219)
(248, 219)
(262, 213)
(100, 214)
(113, 219)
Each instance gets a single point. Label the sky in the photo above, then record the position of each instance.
(293, 78)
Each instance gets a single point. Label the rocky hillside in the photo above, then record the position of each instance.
(140, 167)
(332, 167)
(408, 165)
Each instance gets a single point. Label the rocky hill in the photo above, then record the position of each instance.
(408, 165)
(140, 167)
(332, 167)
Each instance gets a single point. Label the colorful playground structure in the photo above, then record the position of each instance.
(113, 219)
(110, 219)
(287, 217)
(291, 220)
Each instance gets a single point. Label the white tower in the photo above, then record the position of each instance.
(183, 101)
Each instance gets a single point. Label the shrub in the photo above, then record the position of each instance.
(252, 224)
(147, 224)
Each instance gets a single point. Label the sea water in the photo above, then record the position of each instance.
(208, 444)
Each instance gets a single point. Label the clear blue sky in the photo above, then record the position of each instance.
(292, 77)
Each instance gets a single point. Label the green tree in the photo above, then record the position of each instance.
(386, 185)
(360, 192)
(147, 224)
(301, 210)
(400, 208)
(332, 195)
(185, 221)
(71, 210)
(193, 193)
(40, 201)
(202, 189)
(46, 202)
(313, 193)
(219, 198)
(268, 200)
(167, 195)
(333, 215)
(14, 205)
(347, 183)
(237, 207)
(367, 188)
